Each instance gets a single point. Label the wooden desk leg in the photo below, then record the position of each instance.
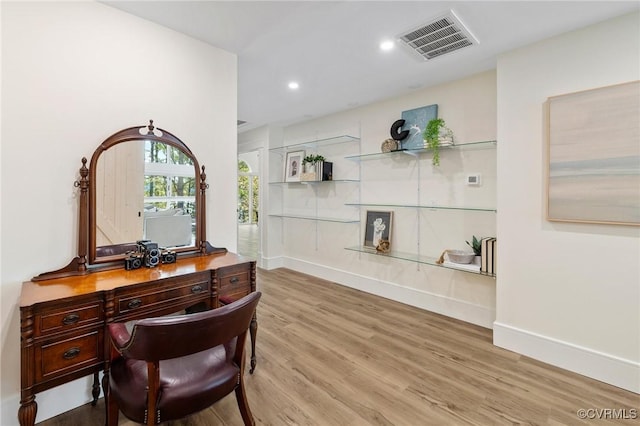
(27, 411)
(253, 330)
(95, 390)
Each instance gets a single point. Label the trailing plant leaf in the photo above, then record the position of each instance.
(432, 137)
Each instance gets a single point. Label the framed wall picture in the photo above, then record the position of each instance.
(415, 121)
(593, 167)
(293, 166)
(378, 227)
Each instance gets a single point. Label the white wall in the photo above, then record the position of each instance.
(318, 248)
(72, 74)
(259, 140)
(568, 294)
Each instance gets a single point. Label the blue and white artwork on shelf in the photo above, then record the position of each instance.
(415, 121)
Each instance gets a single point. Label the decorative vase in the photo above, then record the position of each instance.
(445, 136)
(309, 167)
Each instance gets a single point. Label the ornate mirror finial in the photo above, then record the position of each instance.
(150, 130)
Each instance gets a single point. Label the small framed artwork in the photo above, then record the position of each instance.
(378, 227)
(293, 166)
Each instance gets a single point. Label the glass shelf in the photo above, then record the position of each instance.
(412, 257)
(476, 209)
(313, 182)
(315, 144)
(320, 219)
(419, 152)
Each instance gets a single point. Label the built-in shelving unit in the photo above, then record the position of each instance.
(314, 182)
(413, 257)
(410, 206)
(317, 143)
(417, 152)
(309, 201)
(317, 201)
(415, 159)
(321, 219)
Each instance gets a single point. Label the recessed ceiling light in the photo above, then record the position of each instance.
(387, 45)
(294, 85)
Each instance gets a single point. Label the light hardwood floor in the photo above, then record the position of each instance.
(330, 355)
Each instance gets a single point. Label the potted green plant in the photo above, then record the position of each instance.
(476, 245)
(435, 132)
(310, 160)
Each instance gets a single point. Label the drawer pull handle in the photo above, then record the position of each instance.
(134, 303)
(234, 280)
(70, 319)
(71, 353)
(196, 289)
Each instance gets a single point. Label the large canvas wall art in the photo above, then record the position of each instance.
(594, 156)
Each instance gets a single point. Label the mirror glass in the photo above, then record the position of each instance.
(145, 190)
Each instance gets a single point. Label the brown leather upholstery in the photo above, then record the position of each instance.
(187, 362)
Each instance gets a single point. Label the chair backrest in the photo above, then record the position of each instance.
(155, 339)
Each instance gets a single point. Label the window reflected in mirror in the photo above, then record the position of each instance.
(145, 190)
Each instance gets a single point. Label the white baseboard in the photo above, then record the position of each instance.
(607, 368)
(270, 263)
(459, 309)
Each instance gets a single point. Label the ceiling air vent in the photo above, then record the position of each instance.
(443, 35)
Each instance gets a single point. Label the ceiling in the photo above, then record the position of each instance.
(331, 48)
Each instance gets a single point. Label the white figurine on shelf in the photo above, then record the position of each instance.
(378, 229)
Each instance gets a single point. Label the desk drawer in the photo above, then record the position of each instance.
(165, 294)
(235, 281)
(48, 322)
(59, 357)
(67, 316)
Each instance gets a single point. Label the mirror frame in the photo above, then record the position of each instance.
(88, 259)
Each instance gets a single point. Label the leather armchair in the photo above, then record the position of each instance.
(171, 367)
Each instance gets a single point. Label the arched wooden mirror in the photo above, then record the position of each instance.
(143, 183)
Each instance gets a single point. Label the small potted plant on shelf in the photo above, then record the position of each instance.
(310, 170)
(476, 245)
(310, 161)
(436, 133)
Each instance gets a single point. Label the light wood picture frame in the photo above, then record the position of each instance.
(377, 226)
(293, 166)
(593, 156)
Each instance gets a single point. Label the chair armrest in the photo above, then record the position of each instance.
(119, 335)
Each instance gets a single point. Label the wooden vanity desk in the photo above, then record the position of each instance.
(63, 320)
(128, 237)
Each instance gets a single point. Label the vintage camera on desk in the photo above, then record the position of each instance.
(150, 253)
(133, 260)
(147, 253)
(168, 256)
